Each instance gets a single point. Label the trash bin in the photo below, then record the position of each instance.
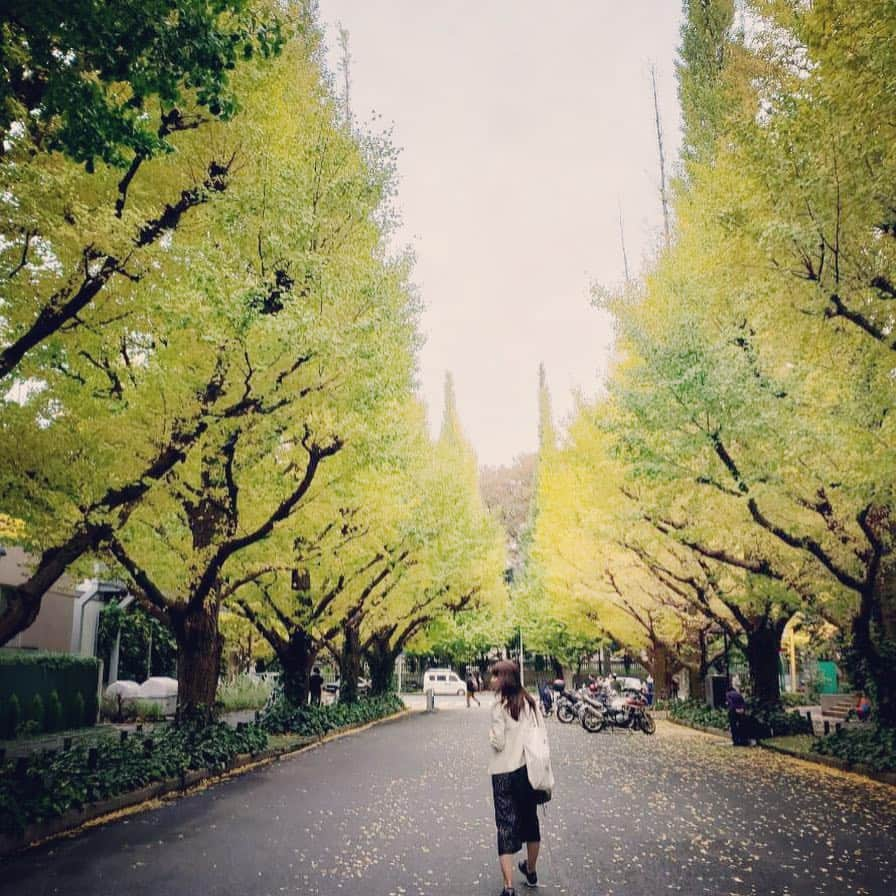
(430, 701)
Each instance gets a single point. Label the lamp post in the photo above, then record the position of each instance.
(522, 660)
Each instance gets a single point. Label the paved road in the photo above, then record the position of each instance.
(404, 810)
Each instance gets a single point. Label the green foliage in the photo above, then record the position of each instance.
(147, 646)
(54, 720)
(868, 744)
(53, 784)
(12, 716)
(36, 712)
(774, 722)
(307, 720)
(76, 711)
(63, 684)
(89, 79)
(243, 692)
(696, 712)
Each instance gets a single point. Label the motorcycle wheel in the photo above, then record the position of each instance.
(565, 713)
(593, 721)
(648, 726)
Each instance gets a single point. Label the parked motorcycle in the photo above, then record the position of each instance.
(630, 712)
(593, 715)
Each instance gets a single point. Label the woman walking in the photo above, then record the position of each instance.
(516, 813)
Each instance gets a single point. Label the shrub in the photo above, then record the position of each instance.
(243, 692)
(285, 717)
(54, 720)
(778, 722)
(696, 712)
(76, 711)
(13, 716)
(54, 783)
(868, 745)
(36, 712)
(31, 673)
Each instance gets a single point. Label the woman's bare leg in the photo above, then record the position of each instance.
(507, 870)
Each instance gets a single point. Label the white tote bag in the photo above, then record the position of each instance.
(537, 753)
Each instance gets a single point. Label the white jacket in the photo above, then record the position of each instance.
(506, 738)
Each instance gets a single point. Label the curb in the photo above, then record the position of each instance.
(150, 797)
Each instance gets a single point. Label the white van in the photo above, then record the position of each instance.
(443, 681)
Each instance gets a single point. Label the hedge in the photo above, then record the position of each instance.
(767, 722)
(285, 717)
(869, 745)
(50, 783)
(46, 691)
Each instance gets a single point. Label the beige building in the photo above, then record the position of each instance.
(52, 630)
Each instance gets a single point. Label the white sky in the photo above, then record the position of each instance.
(522, 125)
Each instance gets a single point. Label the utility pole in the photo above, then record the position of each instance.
(664, 194)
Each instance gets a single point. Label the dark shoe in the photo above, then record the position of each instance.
(508, 892)
(531, 879)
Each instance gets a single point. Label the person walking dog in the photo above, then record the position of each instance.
(517, 728)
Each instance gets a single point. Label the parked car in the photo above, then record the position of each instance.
(332, 687)
(443, 681)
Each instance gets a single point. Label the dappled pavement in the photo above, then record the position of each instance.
(404, 809)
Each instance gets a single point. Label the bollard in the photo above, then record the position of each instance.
(827, 727)
(430, 701)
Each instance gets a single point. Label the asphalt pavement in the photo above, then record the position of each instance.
(404, 809)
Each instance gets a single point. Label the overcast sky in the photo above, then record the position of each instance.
(523, 126)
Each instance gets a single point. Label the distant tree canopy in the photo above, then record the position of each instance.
(741, 468)
(100, 81)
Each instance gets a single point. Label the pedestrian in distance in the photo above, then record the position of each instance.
(315, 686)
(737, 717)
(516, 806)
(472, 687)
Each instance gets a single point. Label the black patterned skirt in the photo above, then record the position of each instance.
(516, 812)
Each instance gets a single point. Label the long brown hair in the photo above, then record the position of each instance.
(507, 684)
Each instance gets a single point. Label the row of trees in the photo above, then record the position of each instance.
(740, 468)
(207, 351)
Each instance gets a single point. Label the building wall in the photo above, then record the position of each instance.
(52, 630)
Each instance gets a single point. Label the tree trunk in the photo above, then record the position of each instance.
(199, 646)
(874, 646)
(350, 663)
(297, 656)
(606, 660)
(763, 646)
(695, 684)
(660, 670)
(381, 660)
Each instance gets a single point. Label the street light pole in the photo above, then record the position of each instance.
(522, 658)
